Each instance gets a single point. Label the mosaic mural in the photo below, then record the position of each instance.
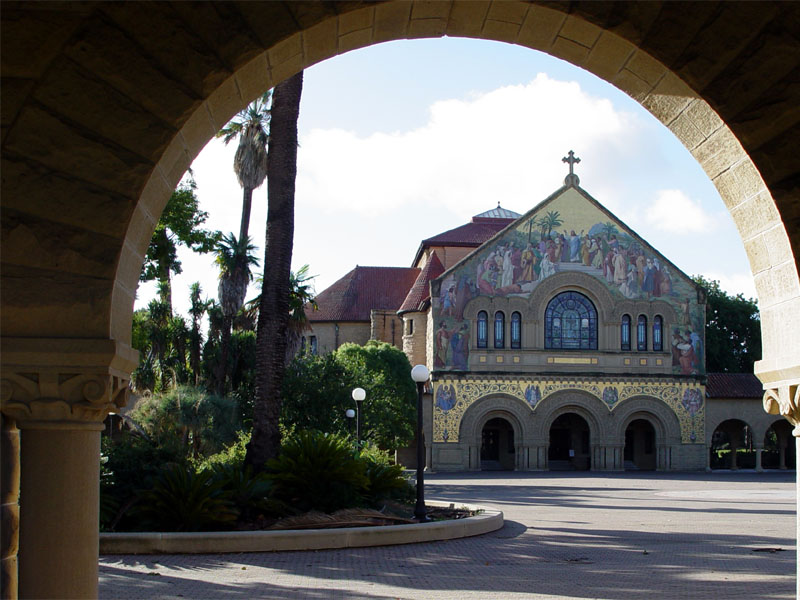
(452, 398)
(567, 234)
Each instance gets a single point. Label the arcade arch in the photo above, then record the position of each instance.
(101, 120)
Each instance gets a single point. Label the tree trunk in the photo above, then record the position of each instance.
(247, 202)
(273, 314)
(222, 366)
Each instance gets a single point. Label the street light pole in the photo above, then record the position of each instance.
(358, 395)
(420, 375)
(350, 414)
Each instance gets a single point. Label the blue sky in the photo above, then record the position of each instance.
(404, 140)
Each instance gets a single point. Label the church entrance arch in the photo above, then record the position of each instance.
(640, 446)
(570, 444)
(497, 445)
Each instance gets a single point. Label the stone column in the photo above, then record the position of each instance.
(759, 449)
(9, 510)
(58, 392)
(709, 448)
(784, 399)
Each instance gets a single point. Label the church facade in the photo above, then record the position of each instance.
(557, 340)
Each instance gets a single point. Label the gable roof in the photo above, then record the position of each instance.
(363, 289)
(420, 291)
(733, 385)
(570, 184)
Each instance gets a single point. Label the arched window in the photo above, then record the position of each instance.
(570, 322)
(658, 340)
(641, 333)
(499, 330)
(625, 333)
(483, 329)
(516, 330)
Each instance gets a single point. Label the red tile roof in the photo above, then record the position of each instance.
(421, 291)
(470, 234)
(363, 289)
(733, 385)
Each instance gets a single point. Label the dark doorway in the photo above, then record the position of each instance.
(497, 446)
(570, 447)
(779, 447)
(640, 446)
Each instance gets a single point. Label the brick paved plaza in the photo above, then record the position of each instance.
(627, 536)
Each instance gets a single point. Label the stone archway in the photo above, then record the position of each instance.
(498, 450)
(101, 118)
(506, 415)
(665, 426)
(778, 451)
(640, 446)
(732, 446)
(569, 447)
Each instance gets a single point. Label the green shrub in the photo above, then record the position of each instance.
(183, 500)
(129, 463)
(318, 472)
(250, 493)
(387, 482)
(232, 455)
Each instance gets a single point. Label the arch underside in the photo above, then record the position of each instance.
(125, 114)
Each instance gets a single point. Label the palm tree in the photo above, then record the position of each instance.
(234, 258)
(549, 222)
(197, 309)
(250, 161)
(301, 297)
(273, 316)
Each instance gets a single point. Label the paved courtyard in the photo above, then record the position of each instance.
(627, 536)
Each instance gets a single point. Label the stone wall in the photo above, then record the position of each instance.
(329, 339)
(386, 326)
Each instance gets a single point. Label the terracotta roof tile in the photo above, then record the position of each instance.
(421, 291)
(470, 234)
(363, 289)
(733, 385)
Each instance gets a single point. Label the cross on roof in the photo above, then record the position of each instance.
(571, 179)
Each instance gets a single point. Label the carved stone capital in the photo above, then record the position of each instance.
(57, 384)
(784, 400)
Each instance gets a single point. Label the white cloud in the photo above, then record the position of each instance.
(505, 144)
(674, 211)
(734, 283)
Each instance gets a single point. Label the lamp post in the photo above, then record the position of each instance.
(350, 413)
(358, 395)
(420, 375)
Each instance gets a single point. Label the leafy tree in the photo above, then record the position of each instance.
(273, 316)
(733, 330)
(316, 394)
(234, 258)
(250, 126)
(180, 224)
(389, 411)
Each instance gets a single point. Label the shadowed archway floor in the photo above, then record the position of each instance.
(625, 536)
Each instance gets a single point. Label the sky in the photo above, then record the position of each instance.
(405, 140)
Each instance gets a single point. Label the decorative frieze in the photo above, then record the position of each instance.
(453, 396)
(64, 383)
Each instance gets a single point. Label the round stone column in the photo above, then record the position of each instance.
(59, 535)
(9, 510)
(58, 391)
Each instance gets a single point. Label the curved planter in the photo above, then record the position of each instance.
(218, 542)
